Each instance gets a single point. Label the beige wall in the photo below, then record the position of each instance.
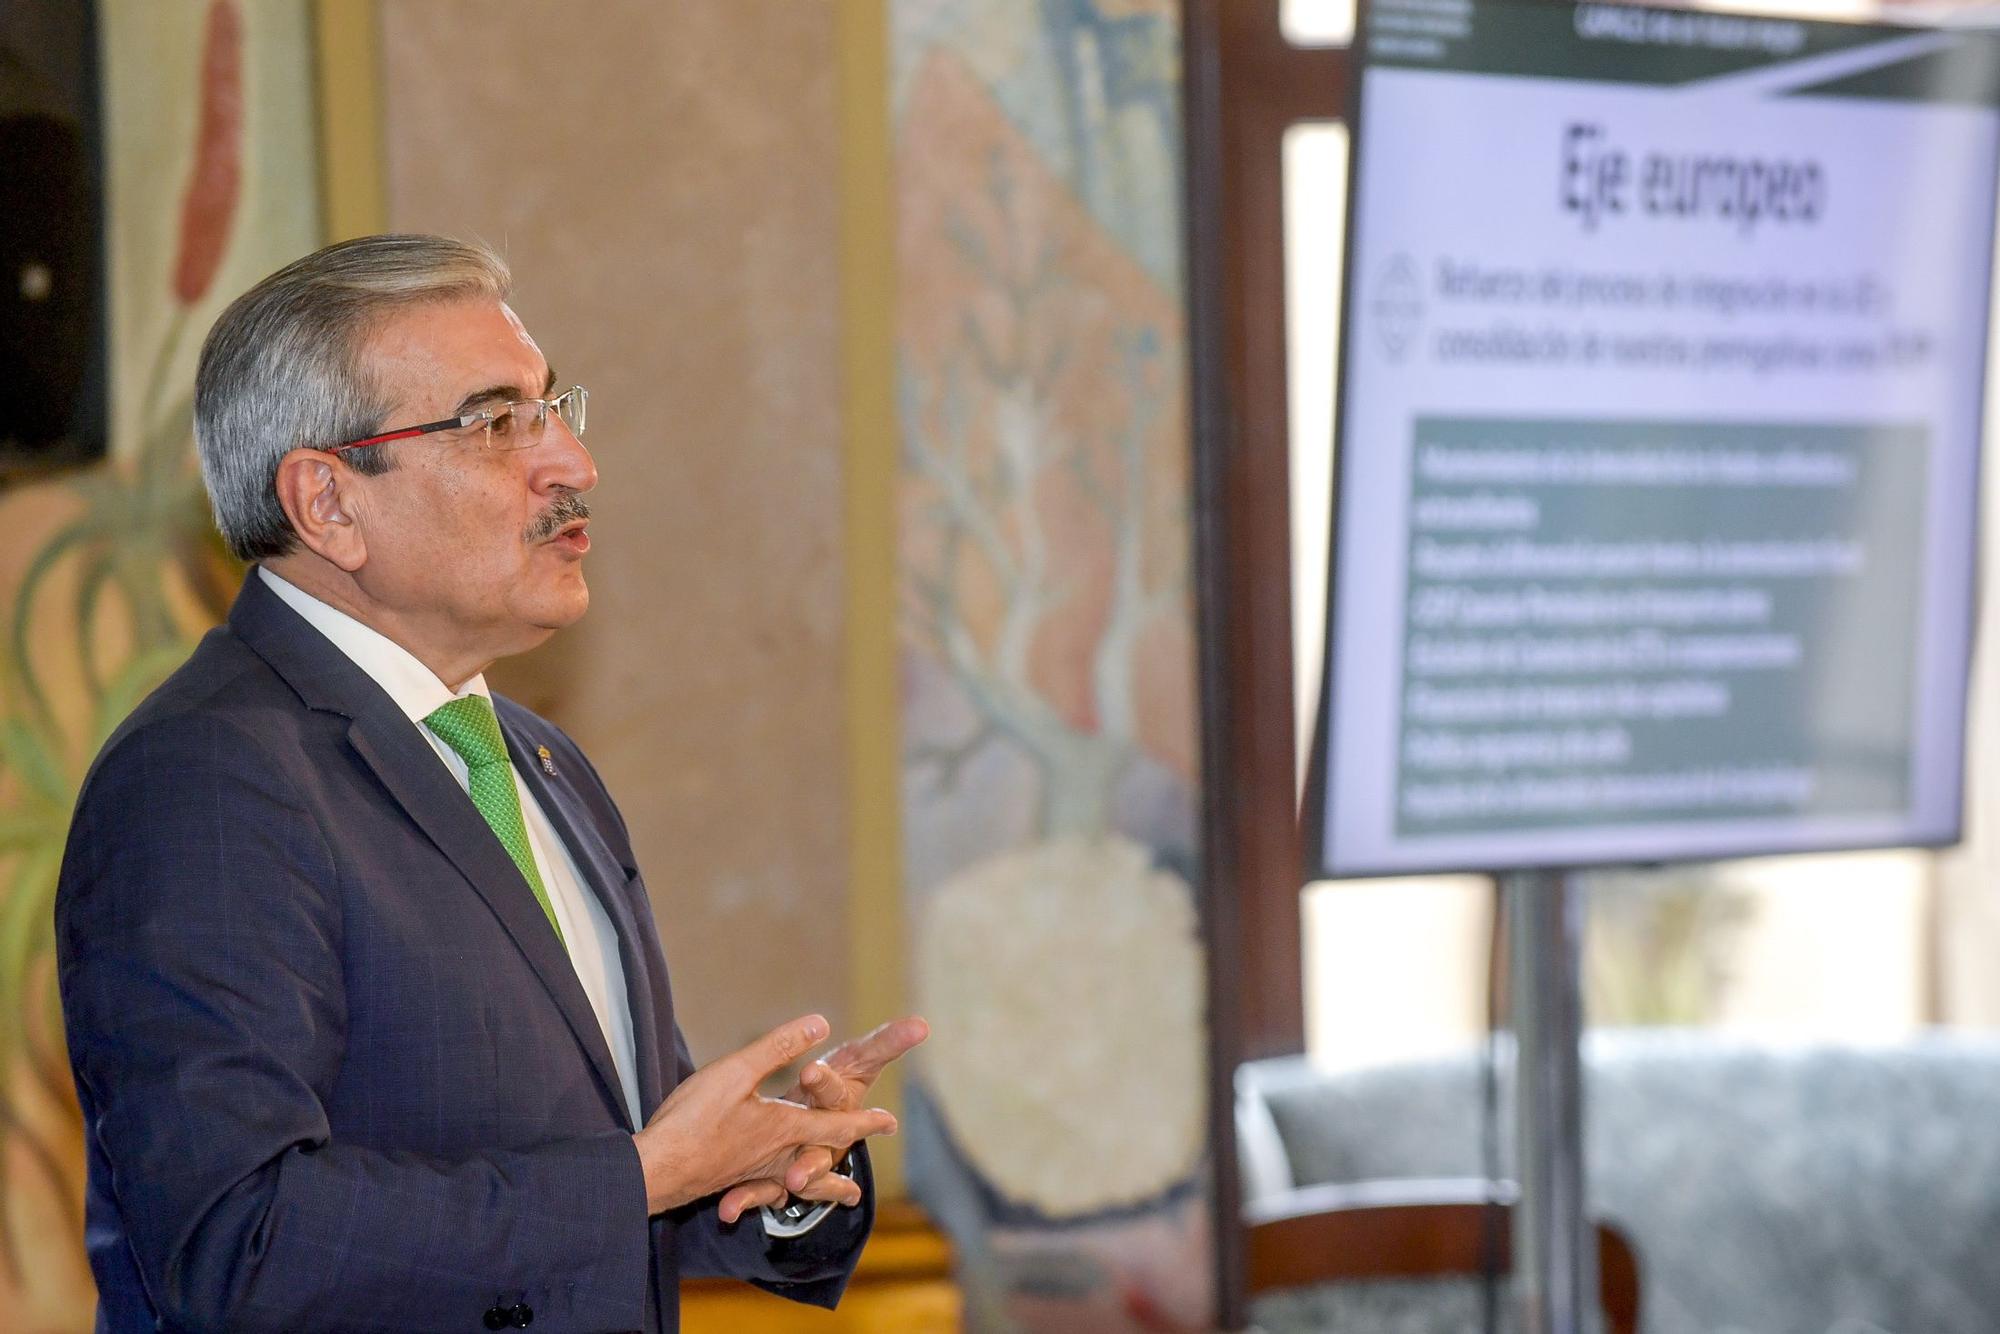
(663, 178)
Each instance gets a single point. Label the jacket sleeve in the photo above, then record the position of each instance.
(813, 1268)
(199, 945)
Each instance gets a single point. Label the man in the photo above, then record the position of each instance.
(369, 1020)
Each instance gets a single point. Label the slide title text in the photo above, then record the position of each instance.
(1600, 182)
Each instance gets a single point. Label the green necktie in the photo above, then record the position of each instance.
(468, 726)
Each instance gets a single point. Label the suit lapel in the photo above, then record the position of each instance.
(397, 752)
(606, 877)
(395, 749)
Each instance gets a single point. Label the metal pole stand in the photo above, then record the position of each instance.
(1553, 1244)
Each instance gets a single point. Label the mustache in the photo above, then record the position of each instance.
(568, 508)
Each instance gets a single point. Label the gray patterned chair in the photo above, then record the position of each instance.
(1765, 1189)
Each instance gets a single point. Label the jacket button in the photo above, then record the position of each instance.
(524, 1315)
(497, 1318)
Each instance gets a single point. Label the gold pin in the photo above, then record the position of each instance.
(548, 765)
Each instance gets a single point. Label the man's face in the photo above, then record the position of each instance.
(458, 533)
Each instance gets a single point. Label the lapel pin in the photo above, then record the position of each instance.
(548, 765)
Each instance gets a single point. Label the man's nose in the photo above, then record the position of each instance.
(563, 461)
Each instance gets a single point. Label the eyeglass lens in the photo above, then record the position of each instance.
(523, 424)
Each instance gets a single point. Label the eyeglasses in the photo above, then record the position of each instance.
(519, 425)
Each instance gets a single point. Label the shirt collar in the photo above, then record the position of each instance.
(414, 687)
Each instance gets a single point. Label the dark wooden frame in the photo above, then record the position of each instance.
(1245, 85)
(1412, 1229)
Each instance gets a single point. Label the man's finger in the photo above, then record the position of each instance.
(821, 1087)
(780, 1047)
(832, 1189)
(808, 1165)
(868, 1056)
(740, 1200)
(812, 1126)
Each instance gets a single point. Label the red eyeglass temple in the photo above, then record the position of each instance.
(449, 423)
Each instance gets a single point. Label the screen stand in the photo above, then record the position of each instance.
(1552, 1242)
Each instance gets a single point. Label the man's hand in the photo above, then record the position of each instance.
(839, 1082)
(715, 1130)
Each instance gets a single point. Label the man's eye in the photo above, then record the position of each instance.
(503, 422)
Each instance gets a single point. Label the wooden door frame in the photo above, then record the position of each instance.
(1245, 86)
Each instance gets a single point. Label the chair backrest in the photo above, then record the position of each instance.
(1410, 1229)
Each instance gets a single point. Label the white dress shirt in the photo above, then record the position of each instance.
(586, 927)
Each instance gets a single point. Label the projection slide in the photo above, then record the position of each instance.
(1661, 391)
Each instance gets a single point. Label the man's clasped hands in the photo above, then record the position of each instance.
(717, 1134)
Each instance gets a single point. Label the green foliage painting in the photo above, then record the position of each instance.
(104, 606)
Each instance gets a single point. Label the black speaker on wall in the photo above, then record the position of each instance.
(53, 371)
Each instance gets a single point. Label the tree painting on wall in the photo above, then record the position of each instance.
(111, 573)
(1058, 1113)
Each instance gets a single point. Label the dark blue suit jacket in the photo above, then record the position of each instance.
(336, 1071)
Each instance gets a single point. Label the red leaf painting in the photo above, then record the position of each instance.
(217, 180)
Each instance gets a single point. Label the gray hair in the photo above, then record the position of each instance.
(282, 368)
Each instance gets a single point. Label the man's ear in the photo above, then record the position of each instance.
(318, 492)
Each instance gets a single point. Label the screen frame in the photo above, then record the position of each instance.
(1316, 794)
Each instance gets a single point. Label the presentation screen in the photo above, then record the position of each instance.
(1662, 372)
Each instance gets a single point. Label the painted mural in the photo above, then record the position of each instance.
(1056, 1120)
(109, 574)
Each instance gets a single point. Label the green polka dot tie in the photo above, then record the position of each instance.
(468, 726)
